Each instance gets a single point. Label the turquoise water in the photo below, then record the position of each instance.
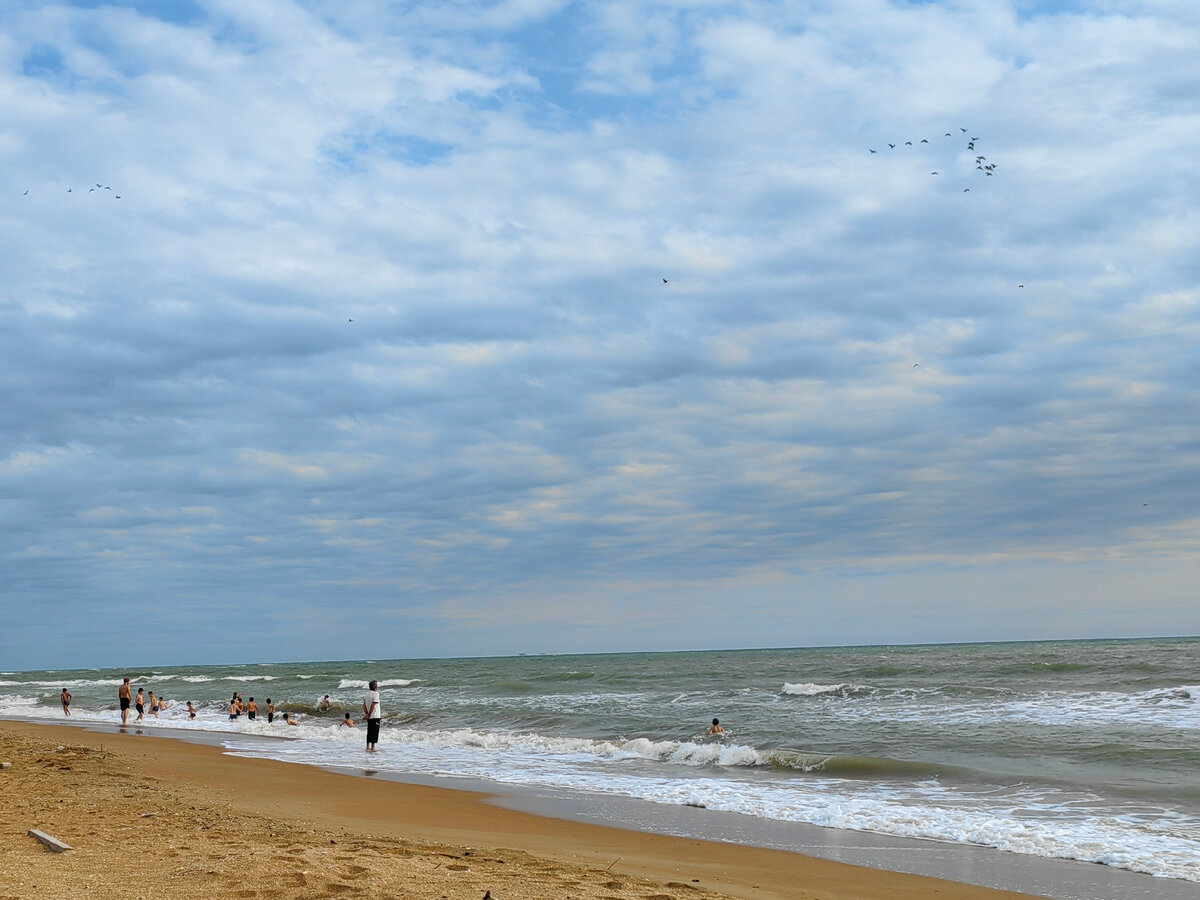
(1080, 750)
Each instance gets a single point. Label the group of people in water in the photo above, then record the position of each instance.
(139, 703)
(237, 706)
(145, 701)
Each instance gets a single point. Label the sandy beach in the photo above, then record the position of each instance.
(152, 817)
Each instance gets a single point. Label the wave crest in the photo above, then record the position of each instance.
(811, 689)
(347, 683)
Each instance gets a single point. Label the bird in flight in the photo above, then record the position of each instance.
(893, 146)
(963, 130)
(665, 281)
(966, 190)
(908, 143)
(933, 173)
(924, 140)
(870, 150)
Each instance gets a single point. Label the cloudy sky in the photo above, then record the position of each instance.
(338, 329)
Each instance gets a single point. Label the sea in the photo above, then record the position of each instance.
(1079, 750)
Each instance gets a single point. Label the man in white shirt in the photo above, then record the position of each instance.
(373, 713)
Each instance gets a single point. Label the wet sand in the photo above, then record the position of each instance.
(151, 817)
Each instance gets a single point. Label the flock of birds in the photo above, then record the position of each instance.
(91, 190)
(982, 163)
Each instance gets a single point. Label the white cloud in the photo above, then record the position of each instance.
(383, 295)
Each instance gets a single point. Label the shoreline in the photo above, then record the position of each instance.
(961, 863)
(285, 811)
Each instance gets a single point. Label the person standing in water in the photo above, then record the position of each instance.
(716, 727)
(373, 713)
(65, 699)
(126, 697)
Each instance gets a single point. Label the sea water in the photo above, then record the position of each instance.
(1086, 750)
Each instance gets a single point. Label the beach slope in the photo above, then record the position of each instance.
(151, 817)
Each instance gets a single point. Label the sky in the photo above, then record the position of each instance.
(345, 330)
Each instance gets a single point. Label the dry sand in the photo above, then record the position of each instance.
(151, 817)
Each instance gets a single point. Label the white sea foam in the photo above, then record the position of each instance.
(349, 683)
(68, 683)
(808, 689)
(1175, 708)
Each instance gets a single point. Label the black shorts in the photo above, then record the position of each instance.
(251, 715)
(270, 718)
(124, 703)
(141, 709)
(372, 731)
